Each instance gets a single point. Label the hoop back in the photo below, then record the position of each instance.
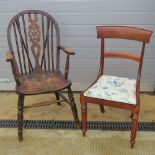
(34, 37)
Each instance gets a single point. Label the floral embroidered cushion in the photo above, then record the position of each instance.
(114, 88)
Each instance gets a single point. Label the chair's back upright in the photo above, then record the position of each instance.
(33, 37)
(123, 32)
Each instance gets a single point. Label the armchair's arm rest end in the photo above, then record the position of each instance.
(9, 56)
(67, 50)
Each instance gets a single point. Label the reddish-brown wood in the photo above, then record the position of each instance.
(120, 32)
(35, 62)
(122, 55)
(124, 32)
(84, 115)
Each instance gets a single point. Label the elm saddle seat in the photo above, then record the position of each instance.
(42, 82)
(114, 91)
(34, 53)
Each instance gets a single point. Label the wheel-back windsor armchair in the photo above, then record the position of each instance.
(34, 52)
(116, 91)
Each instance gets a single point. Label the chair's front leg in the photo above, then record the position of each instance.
(20, 117)
(134, 128)
(84, 117)
(73, 107)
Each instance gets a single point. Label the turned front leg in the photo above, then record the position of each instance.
(84, 117)
(20, 117)
(134, 126)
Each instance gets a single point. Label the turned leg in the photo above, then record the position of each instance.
(84, 117)
(134, 126)
(73, 108)
(20, 117)
(58, 98)
(102, 108)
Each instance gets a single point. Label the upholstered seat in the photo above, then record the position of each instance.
(113, 88)
(42, 82)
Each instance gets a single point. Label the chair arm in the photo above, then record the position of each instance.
(10, 57)
(68, 51)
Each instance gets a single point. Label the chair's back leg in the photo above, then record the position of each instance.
(58, 98)
(102, 108)
(131, 115)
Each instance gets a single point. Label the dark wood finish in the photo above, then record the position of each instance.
(102, 108)
(120, 32)
(73, 107)
(34, 52)
(43, 103)
(10, 57)
(20, 117)
(58, 98)
(63, 97)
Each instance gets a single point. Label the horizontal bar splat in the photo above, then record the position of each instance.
(125, 55)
